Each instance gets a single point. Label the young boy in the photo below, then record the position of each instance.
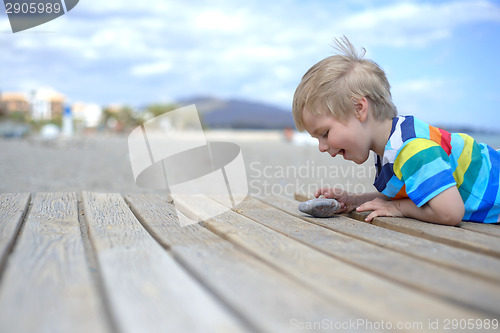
(423, 172)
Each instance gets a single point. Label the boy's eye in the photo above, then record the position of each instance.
(325, 135)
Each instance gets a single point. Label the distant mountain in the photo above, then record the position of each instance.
(239, 114)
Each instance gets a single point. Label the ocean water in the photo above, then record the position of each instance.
(493, 140)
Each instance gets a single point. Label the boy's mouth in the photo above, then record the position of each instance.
(340, 152)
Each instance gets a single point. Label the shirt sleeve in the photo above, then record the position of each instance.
(425, 169)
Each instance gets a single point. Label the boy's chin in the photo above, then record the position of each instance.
(359, 160)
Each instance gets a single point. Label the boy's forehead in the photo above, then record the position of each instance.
(312, 120)
(307, 117)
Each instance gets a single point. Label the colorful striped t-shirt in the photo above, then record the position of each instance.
(421, 161)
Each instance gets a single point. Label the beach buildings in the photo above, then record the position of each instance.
(47, 104)
(40, 104)
(14, 102)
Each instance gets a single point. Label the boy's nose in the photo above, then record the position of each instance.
(323, 147)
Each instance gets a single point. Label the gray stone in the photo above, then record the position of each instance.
(320, 207)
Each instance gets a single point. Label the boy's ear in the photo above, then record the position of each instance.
(361, 108)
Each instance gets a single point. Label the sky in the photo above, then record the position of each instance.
(441, 57)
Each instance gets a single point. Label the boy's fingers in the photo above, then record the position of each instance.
(371, 216)
(362, 207)
(369, 205)
(320, 192)
(326, 192)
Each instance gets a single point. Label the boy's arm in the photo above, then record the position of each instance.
(445, 208)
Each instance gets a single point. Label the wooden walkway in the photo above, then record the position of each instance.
(94, 262)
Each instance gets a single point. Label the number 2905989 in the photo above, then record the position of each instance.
(33, 8)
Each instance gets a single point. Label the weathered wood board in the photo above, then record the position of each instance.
(46, 285)
(104, 262)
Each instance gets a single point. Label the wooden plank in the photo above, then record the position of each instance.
(148, 291)
(302, 197)
(329, 277)
(458, 259)
(484, 228)
(13, 207)
(47, 286)
(454, 236)
(391, 264)
(268, 300)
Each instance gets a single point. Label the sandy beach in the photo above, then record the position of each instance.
(101, 163)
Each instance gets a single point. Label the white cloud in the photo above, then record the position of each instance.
(5, 25)
(417, 24)
(419, 86)
(150, 69)
(432, 99)
(220, 21)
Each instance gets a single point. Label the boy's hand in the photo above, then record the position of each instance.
(445, 208)
(380, 207)
(346, 200)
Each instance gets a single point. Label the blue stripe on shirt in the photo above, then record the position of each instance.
(488, 199)
(437, 183)
(408, 129)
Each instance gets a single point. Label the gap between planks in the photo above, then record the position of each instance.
(14, 207)
(94, 269)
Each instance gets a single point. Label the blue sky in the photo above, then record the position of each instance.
(441, 57)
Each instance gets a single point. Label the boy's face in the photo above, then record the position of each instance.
(348, 138)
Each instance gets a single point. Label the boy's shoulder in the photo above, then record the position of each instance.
(403, 130)
(408, 128)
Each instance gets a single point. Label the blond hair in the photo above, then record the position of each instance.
(337, 82)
